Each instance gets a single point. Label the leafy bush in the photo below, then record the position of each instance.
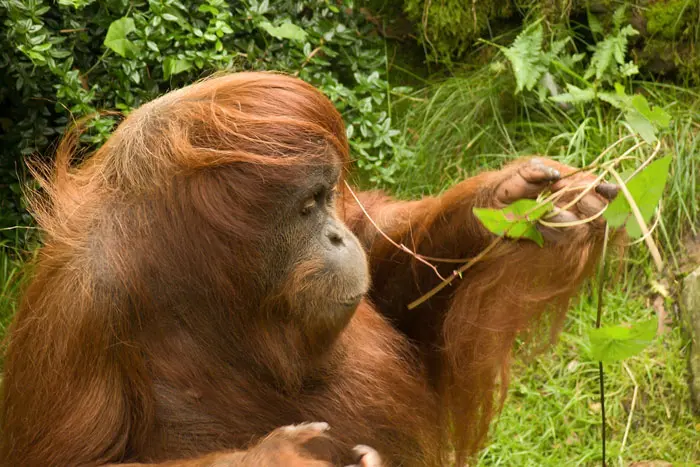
(66, 59)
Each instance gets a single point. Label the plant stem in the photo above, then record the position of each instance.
(598, 319)
(601, 377)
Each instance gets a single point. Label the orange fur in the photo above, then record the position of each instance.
(146, 335)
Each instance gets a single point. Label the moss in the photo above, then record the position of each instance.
(448, 27)
(668, 45)
(671, 19)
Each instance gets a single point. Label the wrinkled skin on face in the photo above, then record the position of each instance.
(326, 274)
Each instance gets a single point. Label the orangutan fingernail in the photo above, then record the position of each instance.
(607, 190)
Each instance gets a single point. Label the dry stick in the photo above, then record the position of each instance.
(593, 164)
(400, 246)
(646, 162)
(456, 273)
(609, 148)
(640, 220)
(651, 229)
(575, 223)
(309, 57)
(609, 166)
(629, 417)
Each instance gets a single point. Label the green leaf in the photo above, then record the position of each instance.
(641, 125)
(609, 52)
(615, 343)
(619, 16)
(659, 117)
(525, 56)
(517, 220)
(286, 30)
(116, 37)
(594, 24)
(575, 95)
(173, 66)
(646, 190)
(629, 69)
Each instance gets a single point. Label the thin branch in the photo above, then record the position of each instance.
(308, 58)
(400, 246)
(640, 220)
(646, 162)
(18, 227)
(629, 417)
(594, 163)
(601, 378)
(455, 274)
(644, 237)
(574, 223)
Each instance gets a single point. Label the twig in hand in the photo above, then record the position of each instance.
(594, 163)
(640, 220)
(400, 246)
(455, 274)
(646, 162)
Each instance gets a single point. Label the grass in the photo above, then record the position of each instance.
(552, 414)
(465, 124)
(459, 126)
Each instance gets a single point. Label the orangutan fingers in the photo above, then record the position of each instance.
(607, 190)
(366, 457)
(529, 181)
(561, 217)
(537, 172)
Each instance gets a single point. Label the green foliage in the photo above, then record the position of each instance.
(286, 30)
(609, 55)
(517, 220)
(672, 19)
(526, 57)
(646, 190)
(552, 414)
(532, 66)
(116, 38)
(615, 343)
(60, 61)
(448, 28)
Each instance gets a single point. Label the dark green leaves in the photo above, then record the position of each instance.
(517, 220)
(615, 343)
(116, 37)
(646, 190)
(173, 66)
(286, 30)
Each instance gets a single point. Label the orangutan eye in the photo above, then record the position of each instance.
(308, 206)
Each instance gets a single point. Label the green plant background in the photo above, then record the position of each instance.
(430, 95)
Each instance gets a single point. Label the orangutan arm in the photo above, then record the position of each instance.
(444, 227)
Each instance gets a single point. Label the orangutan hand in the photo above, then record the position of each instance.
(531, 177)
